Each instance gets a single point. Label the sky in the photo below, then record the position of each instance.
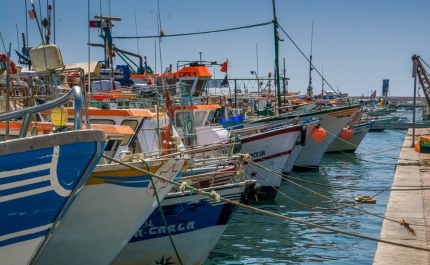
(355, 44)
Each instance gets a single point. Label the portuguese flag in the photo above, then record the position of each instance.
(95, 24)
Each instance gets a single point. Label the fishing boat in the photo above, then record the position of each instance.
(194, 226)
(332, 120)
(403, 123)
(348, 141)
(112, 205)
(188, 225)
(381, 123)
(41, 178)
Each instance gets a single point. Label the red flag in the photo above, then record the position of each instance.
(31, 14)
(224, 67)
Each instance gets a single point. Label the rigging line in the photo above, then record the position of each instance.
(322, 195)
(213, 196)
(196, 33)
(308, 60)
(290, 198)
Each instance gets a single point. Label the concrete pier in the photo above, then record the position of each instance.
(411, 205)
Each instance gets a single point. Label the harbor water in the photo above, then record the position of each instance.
(255, 238)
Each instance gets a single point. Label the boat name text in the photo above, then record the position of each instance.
(257, 154)
(149, 228)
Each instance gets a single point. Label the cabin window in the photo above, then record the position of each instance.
(178, 120)
(200, 118)
(210, 118)
(99, 121)
(133, 125)
(109, 145)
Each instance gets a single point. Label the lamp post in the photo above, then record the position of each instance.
(414, 75)
(258, 81)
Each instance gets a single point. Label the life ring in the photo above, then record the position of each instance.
(166, 139)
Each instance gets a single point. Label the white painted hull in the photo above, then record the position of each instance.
(288, 166)
(332, 120)
(270, 150)
(193, 248)
(311, 154)
(103, 219)
(195, 223)
(340, 145)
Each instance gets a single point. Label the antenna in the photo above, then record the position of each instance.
(137, 39)
(108, 18)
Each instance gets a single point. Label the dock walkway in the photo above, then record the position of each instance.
(411, 205)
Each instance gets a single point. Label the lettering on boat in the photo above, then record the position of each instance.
(149, 228)
(185, 74)
(257, 154)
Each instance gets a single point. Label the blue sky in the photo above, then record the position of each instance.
(356, 43)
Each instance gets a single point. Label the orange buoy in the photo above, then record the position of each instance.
(346, 134)
(318, 134)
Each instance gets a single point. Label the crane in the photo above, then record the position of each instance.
(423, 76)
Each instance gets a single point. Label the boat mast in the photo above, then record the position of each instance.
(322, 85)
(276, 35)
(310, 88)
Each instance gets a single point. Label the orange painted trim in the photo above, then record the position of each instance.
(47, 127)
(117, 112)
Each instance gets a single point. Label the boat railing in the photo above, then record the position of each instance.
(26, 113)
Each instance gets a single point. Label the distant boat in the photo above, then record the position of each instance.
(404, 123)
(381, 123)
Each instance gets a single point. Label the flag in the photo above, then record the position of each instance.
(224, 82)
(95, 24)
(32, 14)
(373, 94)
(224, 67)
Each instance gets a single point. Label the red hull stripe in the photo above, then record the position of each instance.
(272, 156)
(270, 134)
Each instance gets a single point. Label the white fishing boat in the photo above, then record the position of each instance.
(186, 230)
(332, 120)
(350, 142)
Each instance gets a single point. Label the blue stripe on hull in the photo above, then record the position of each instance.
(183, 218)
(40, 208)
(43, 156)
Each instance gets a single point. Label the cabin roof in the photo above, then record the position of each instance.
(117, 112)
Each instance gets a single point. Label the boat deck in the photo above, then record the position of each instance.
(411, 205)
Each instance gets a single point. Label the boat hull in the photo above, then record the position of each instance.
(195, 223)
(359, 132)
(333, 120)
(112, 205)
(39, 178)
(270, 150)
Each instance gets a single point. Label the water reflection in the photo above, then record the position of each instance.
(255, 238)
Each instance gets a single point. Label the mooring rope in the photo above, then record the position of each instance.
(212, 195)
(326, 197)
